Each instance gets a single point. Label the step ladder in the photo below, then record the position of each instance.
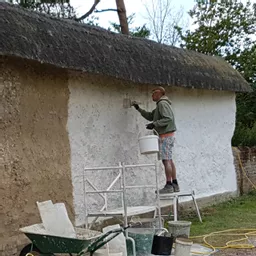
(174, 197)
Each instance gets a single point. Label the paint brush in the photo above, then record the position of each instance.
(127, 103)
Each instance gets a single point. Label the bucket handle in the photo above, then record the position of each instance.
(154, 130)
(163, 231)
(136, 221)
(156, 133)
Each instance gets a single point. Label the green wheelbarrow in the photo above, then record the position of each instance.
(86, 242)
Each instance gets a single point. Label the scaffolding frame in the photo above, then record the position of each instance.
(125, 211)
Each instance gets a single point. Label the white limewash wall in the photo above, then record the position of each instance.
(103, 133)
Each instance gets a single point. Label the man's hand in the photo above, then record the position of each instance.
(135, 104)
(150, 126)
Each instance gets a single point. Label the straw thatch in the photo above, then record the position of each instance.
(71, 45)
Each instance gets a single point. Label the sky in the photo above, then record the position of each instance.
(137, 7)
(132, 6)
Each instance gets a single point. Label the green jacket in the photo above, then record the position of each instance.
(162, 116)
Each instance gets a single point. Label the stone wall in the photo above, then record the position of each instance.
(245, 164)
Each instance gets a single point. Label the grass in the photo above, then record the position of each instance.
(238, 213)
(234, 214)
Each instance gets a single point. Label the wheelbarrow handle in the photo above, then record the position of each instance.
(99, 242)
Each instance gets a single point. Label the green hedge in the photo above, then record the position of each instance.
(245, 131)
(244, 136)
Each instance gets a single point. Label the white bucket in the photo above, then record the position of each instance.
(105, 252)
(182, 247)
(179, 228)
(149, 144)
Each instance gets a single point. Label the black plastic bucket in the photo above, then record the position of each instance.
(162, 245)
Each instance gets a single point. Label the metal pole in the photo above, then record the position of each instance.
(158, 196)
(85, 204)
(139, 165)
(121, 183)
(175, 208)
(124, 196)
(101, 168)
(197, 209)
(125, 210)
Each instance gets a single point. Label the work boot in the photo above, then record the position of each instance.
(168, 189)
(176, 187)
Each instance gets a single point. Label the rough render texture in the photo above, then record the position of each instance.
(36, 153)
(245, 163)
(103, 133)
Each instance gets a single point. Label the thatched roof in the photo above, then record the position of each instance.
(71, 45)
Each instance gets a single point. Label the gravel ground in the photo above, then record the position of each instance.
(236, 252)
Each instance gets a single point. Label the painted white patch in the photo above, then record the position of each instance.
(103, 133)
(203, 154)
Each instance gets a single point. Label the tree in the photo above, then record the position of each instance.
(122, 16)
(245, 132)
(162, 20)
(63, 9)
(223, 28)
(120, 9)
(227, 29)
(142, 31)
(59, 9)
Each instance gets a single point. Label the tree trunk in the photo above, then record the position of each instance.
(122, 16)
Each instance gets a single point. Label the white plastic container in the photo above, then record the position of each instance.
(182, 247)
(116, 246)
(149, 144)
